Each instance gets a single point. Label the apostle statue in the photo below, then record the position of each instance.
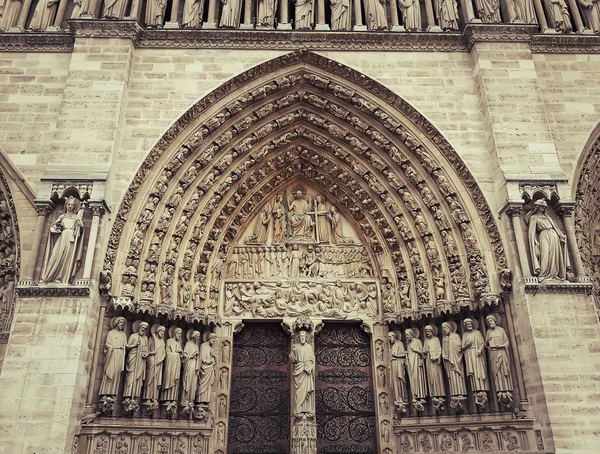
(156, 358)
(376, 17)
(155, 13)
(558, 11)
(415, 365)
(590, 10)
(523, 11)
(80, 7)
(411, 14)
(303, 360)
(43, 16)
(301, 222)
(64, 247)
(114, 9)
(473, 347)
(322, 220)
(453, 359)
(278, 220)
(191, 370)
(230, 13)
(488, 11)
(208, 362)
(398, 368)
(137, 353)
(304, 19)
(447, 14)
(266, 13)
(192, 18)
(547, 244)
(341, 18)
(433, 362)
(114, 357)
(9, 13)
(174, 351)
(497, 344)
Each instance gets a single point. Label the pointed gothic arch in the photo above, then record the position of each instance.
(302, 117)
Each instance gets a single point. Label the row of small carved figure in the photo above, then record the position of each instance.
(420, 365)
(156, 370)
(309, 14)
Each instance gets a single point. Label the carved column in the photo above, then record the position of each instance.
(515, 218)
(247, 15)
(566, 211)
(24, 14)
(574, 10)
(97, 341)
(431, 25)
(43, 209)
(136, 9)
(98, 209)
(468, 12)
(91, 14)
(60, 15)
(321, 24)
(358, 21)
(224, 349)
(541, 16)
(211, 21)
(395, 27)
(174, 20)
(284, 23)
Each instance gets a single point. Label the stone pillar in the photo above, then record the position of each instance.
(431, 25)
(247, 24)
(358, 20)
(395, 27)
(98, 209)
(222, 398)
(211, 22)
(284, 23)
(24, 14)
(566, 211)
(43, 209)
(321, 24)
(174, 19)
(515, 217)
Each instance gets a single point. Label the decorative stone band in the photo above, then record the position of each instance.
(63, 41)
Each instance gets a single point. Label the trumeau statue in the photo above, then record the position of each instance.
(433, 362)
(547, 244)
(230, 13)
(303, 360)
(473, 348)
(415, 366)
(398, 368)
(453, 359)
(376, 17)
(114, 359)
(64, 248)
(155, 362)
(497, 345)
(172, 368)
(114, 9)
(208, 361)
(341, 18)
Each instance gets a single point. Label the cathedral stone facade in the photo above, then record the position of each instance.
(301, 227)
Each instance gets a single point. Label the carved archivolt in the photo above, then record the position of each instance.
(413, 214)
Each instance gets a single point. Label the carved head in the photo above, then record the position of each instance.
(160, 332)
(446, 328)
(429, 331)
(409, 335)
(302, 337)
(212, 338)
(178, 333)
(142, 329)
(491, 321)
(119, 323)
(541, 205)
(392, 337)
(70, 204)
(468, 324)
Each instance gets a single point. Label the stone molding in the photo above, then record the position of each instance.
(70, 291)
(63, 41)
(584, 288)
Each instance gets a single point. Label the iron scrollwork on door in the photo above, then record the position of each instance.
(345, 406)
(260, 395)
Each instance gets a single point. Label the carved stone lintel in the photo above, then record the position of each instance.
(53, 292)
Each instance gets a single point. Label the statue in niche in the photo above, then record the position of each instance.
(415, 367)
(523, 11)
(433, 362)
(172, 367)
(156, 358)
(304, 14)
(337, 231)
(230, 13)
(591, 12)
(398, 368)
(559, 13)
(411, 18)
(261, 228)
(266, 13)
(322, 220)
(453, 359)
(43, 16)
(376, 15)
(208, 363)
(10, 16)
(191, 371)
(473, 347)
(488, 11)
(64, 248)
(137, 353)
(80, 7)
(279, 224)
(341, 18)
(497, 345)
(447, 14)
(114, 9)
(303, 360)
(301, 222)
(547, 244)
(114, 357)
(192, 18)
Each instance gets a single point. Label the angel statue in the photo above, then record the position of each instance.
(65, 245)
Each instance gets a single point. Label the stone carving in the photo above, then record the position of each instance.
(266, 14)
(304, 16)
(416, 368)
(303, 360)
(155, 362)
(172, 367)
(80, 7)
(43, 16)
(304, 440)
(191, 372)
(447, 14)
(523, 11)
(398, 360)
(341, 18)
(230, 13)
(137, 354)
(590, 10)
(64, 248)
(452, 354)
(10, 16)
(114, 359)
(411, 14)
(497, 345)
(558, 13)
(155, 12)
(433, 362)
(192, 18)
(114, 9)
(375, 14)
(473, 348)
(488, 11)
(547, 244)
(208, 362)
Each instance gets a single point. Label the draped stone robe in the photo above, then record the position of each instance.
(375, 15)
(155, 12)
(497, 341)
(230, 13)
(43, 16)
(136, 365)
(266, 13)
(416, 369)
(398, 372)
(172, 370)
(475, 360)
(191, 371)
(114, 362)
(154, 371)
(207, 372)
(303, 359)
(340, 16)
(114, 9)
(9, 13)
(433, 364)
(304, 21)
(453, 363)
(548, 247)
(411, 12)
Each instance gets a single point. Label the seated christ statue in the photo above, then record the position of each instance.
(301, 221)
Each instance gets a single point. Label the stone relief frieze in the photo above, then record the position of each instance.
(9, 258)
